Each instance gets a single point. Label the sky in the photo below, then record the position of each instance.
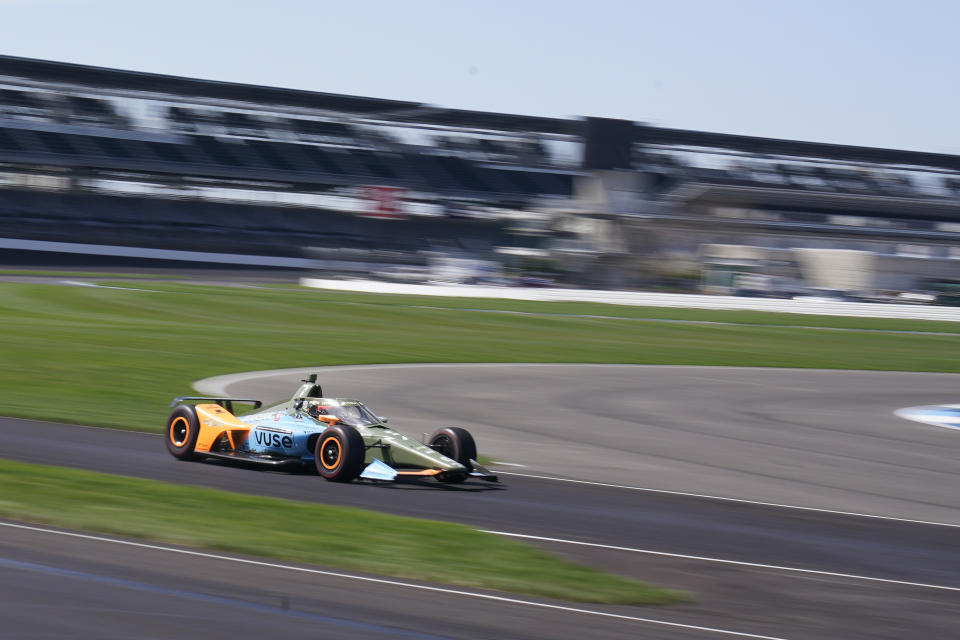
(863, 72)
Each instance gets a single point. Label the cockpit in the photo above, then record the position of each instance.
(349, 412)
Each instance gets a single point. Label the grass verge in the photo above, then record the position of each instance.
(115, 357)
(340, 537)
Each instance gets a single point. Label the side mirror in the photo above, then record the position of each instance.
(330, 420)
(383, 419)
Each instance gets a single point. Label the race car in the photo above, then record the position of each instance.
(341, 437)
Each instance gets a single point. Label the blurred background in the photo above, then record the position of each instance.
(158, 168)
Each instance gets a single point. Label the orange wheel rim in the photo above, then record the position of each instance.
(330, 452)
(179, 431)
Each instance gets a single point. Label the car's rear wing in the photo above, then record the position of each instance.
(226, 403)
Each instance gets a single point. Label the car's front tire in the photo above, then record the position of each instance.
(183, 427)
(457, 444)
(339, 453)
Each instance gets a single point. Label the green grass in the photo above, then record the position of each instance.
(116, 357)
(339, 537)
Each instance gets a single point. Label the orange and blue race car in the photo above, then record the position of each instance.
(341, 437)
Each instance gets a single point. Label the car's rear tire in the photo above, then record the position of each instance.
(183, 427)
(455, 443)
(339, 453)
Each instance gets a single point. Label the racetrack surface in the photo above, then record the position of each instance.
(814, 438)
(604, 425)
(56, 586)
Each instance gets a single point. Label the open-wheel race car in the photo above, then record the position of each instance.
(342, 437)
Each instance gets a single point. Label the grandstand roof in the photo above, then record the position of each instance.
(399, 110)
(646, 134)
(417, 112)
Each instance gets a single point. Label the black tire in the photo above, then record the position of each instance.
(182, 431)
(339, 453)
(455, 443)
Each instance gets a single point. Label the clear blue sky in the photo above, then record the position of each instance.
(875, 73)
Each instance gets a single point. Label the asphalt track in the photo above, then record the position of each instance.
(823, 440)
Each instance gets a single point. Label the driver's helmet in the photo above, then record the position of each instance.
(315, 410)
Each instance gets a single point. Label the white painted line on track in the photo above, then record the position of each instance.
(756, 565)
(396, 583)
(725, 499)
(94, 285)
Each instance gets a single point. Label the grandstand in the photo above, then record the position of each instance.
(113, 157)
(116, 157)
(661, 195)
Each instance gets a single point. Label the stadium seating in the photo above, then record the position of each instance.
(206, 154)
(205, 226)
(18, 103)
(670, 172)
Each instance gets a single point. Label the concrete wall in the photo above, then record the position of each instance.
(841, 269)
(846, 270)
(689, 301)
(609, 192)
(904, 273)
